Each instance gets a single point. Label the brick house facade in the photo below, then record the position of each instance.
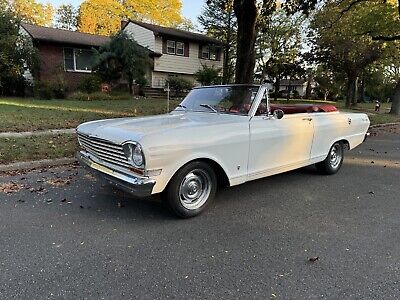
(63, 55)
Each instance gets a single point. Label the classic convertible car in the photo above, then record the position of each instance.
(218, 135)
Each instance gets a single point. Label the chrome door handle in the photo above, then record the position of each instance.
(307, 119)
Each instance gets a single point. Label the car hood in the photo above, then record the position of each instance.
(123, 129)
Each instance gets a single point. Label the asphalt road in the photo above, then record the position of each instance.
(64, 235)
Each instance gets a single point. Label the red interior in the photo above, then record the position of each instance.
(297, 108)
(303, 108)
(289, 108)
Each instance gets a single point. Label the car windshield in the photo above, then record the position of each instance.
(220, 99)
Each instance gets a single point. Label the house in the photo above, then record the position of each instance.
(69, 54)
(177, 52)
(63, 54)
(291, 85)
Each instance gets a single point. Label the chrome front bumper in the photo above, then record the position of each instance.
(366, 136)
(136, 185)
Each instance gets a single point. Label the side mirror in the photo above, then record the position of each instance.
(278, 114)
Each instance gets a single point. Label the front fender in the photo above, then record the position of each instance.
(168, 172)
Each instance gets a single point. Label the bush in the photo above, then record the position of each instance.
(208, 75)
(141, 81)
(90, 84)
(179, 85)
(13, 86)
(58, 89)
(49, 90)
(80, 96)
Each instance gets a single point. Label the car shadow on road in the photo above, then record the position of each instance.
(114, 201)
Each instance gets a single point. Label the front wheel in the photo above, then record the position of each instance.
(333, 161)
(191, 189)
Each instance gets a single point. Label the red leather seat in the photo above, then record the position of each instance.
(303, 108)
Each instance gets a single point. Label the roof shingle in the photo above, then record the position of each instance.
(55, 35)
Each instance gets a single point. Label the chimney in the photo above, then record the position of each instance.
(124, 22)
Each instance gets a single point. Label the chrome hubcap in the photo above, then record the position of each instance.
(335, 156)
(195, 189)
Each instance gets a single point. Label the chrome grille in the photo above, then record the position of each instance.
(104, 150)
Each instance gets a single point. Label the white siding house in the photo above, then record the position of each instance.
(175, 52)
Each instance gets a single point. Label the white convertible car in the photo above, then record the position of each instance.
(218, 135)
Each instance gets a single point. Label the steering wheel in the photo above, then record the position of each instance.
(245, 108)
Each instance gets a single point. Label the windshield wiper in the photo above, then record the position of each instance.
(182, 106)
(210, 107)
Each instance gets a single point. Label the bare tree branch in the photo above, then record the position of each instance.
(344, 11)
(386, 38)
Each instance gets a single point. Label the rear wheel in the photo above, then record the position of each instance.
(333, 161)
(191, 189)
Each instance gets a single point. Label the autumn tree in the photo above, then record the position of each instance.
(16, 54)
(219, 21)
(278, 48)
(122, 57)
(247, 13)
(187, 25)
(66, 17)
(33, 12)
(104, 16)
(343, 41)
(100, 16)
(165, 12)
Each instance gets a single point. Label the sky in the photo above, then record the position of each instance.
(191, 8)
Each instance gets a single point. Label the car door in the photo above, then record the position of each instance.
(279, 145)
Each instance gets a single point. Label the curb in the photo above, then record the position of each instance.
(29, 165)
(36, 133)
(384, 125)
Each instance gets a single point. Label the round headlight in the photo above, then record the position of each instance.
(137, 156)
(134, 154)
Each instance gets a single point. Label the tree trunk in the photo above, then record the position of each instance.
(276, 86)
(349, 91)
(308, 88)
(362, 90)
(395, 110)
(354, 97)
(227, 58)
(246, 14)
(130, 85)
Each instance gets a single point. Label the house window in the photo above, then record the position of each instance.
(180, 48)
(83, 60)
(79, 60)
(213, 53)
(205, 52)
(208, 52)
(171, 47)
(69, 62)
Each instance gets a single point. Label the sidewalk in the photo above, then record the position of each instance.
(36, 133)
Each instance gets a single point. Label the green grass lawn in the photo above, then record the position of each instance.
(37, 147)
(30, 114)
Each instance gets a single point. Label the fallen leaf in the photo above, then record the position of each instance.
(59, 181)
(10, 187)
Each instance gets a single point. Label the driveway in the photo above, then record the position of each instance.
(65, 235)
